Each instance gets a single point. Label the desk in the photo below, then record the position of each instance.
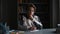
(43, 31)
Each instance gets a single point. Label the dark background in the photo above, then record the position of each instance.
(48, 13)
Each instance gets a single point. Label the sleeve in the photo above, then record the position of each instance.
(25, 22)
(23, 26)
(37, 20)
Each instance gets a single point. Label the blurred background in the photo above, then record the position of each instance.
(46, 10)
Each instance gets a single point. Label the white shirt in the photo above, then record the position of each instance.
(29, 23)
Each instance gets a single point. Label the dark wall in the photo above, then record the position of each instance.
(3, 10)
(55, 15)
(59, 11)
(9, 12)
(12, 13)
(0, 9)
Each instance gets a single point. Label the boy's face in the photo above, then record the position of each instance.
(32, 11)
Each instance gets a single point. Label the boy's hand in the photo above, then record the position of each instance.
(33, 28)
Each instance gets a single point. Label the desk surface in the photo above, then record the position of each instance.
(43, 31)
